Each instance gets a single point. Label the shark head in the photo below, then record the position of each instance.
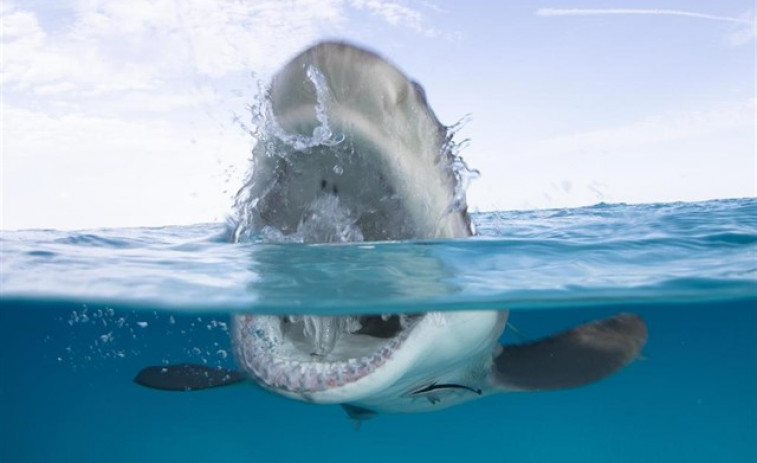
(351, 151)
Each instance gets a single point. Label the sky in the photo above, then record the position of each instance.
(137, 113)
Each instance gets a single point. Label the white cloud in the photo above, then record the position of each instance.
(121, 52)
(635, 11)
(20, 24)
(744, 31)
(33, 58)
(122, 113)
(683, 156)
(215, 37)
(660, 129)
(113, 46)
(75, 171)
(106, 46)
(397, 14)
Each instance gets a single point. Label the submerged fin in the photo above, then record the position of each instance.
(186, 377)
(579, 356)
(358, 414)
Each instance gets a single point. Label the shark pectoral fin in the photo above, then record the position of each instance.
(186, 377)
(579, 356)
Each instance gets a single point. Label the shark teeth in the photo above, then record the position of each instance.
(258, 344)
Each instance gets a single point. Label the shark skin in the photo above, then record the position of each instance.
(339, 105)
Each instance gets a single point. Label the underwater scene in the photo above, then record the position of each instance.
(84, 312)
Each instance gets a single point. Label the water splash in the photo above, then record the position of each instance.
(451, 154)
(326, 220)
(322, 134)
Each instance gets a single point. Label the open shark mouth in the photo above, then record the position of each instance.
(306, 354)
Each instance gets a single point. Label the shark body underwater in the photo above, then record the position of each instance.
(396, 180)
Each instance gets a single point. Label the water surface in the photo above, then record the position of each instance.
(82, 312)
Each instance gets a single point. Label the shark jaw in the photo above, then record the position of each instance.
(389, 363)
(307, 356)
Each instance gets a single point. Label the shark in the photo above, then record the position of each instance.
(353, 152)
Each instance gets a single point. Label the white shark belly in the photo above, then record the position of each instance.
(446, 361)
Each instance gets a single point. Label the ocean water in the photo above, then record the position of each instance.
(82, 312)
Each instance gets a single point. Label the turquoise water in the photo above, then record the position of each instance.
(82, 312)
